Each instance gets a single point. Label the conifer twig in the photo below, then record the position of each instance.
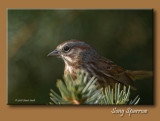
(85, 91)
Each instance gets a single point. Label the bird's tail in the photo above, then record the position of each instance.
(139, 74)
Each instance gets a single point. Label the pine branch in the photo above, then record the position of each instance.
(82, 91)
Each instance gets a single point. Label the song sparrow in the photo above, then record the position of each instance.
(78, 55)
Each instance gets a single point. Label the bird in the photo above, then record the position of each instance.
(78, 55)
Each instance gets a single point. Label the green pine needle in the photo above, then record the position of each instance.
(85, 91)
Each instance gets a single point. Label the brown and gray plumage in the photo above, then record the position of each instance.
(78, 55)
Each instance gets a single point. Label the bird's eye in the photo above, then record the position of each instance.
(66, 48)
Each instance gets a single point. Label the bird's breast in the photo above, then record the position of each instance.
(70, 70)
(73, 69)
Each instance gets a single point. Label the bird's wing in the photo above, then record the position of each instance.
(115, 72)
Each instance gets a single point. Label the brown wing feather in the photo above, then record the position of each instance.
(115, 72)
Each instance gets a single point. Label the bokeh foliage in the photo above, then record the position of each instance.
(124, 36)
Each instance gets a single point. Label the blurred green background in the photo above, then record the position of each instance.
(124, 36)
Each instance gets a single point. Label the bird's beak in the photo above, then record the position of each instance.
(53, 53)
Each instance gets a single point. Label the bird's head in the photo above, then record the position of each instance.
(73, 51)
